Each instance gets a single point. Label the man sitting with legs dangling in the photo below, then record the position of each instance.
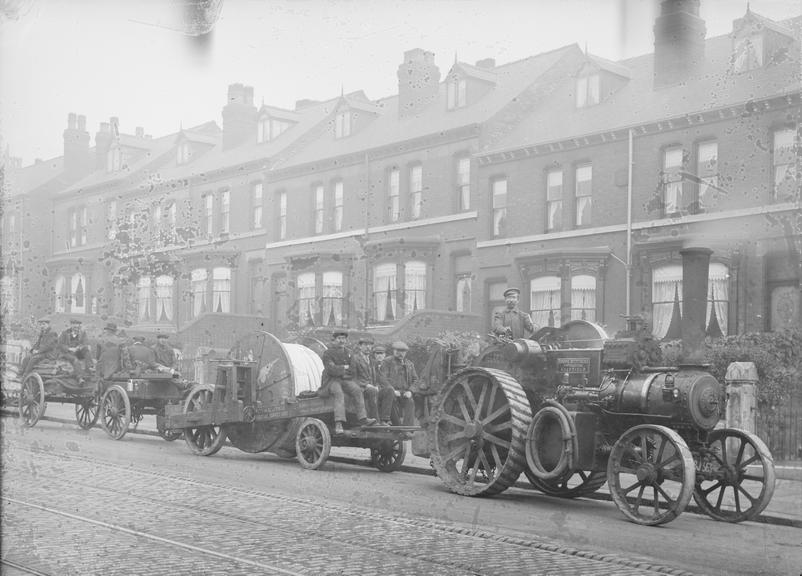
(338, 380)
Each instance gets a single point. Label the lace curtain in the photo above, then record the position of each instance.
(384, 292)
(333, 298)
(307, 305)
(143, 299)
(583, 298)
(164, 299)
(199, 292)
(545, 300)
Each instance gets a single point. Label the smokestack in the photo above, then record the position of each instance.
(695, 270)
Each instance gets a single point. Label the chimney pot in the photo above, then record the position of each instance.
(82, 123)
(71, 121)
(140, 132)
(104, 127)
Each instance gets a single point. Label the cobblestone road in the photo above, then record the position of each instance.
(67, 515)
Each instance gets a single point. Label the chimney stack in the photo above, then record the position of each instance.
(102, 145)
(239, 116)
(140, 132)
(695, 271)
(418, 82)
(679, 41)
(77, 161)
(486, 63)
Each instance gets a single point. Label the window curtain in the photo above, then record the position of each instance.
(666, 292)
(307, 305)
(545, 300)
(464, 294)
(143, 299)
(221, 289)
(414, 286)
(60, 304)
(717, 300)
(583, 298)
(333, 298)
(164, 299)
(199, 305)
(384, 292)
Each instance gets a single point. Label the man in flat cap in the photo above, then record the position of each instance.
(108, 353)
(165, 355)
(363, 376)
(512, 322)
(338, 380)
(45, 347)
(75, 347)
(398, 381)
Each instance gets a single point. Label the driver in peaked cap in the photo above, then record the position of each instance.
(512, 322)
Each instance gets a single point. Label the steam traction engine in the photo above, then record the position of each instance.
(649, 432)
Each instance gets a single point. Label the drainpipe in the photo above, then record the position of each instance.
(629, 226)
(366, 298)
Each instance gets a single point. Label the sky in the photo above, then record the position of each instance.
(130, 59)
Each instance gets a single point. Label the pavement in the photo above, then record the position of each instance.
(784, 509)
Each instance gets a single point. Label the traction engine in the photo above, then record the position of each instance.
(611, 414)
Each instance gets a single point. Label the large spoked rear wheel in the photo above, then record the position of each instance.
(389, 455)
(477, 432)
(87, 412)
(203, 440)
(650, 474)
(571, 485)
(312, 443)
(115, 412)
(739, 483)
(32, 400)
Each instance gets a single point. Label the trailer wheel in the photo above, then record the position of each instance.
(87, 412)
(115, 412)
(741, 462)
(650, 474)
(203, 440)
(32, 400)
(312, 443)
(389, 455)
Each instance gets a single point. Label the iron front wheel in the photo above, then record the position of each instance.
(477, 432)
(87, 412)
(115, 412)
(571, 485)
(32, 400)
(389, 455)
(203, 440)
(739, 482)
(312, 443)
(651, 474)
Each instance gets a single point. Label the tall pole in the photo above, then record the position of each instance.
(629, 226)
(366, 300)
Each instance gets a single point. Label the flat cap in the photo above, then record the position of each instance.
(138, 338)
(513, 290)
(110, 326)
(400, 345)
(165, 336)
(365, 340)
(339, 333)
(378, 348)
(44, 320)
(74, 321)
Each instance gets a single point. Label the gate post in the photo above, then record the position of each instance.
(741, 380)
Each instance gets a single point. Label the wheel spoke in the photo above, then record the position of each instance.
(495, 439)
(720, 497)
(747, 494)
(655, 501)
(496, 413)
(506, 425)
(668, 498)
(748, 462)
(496, 456)
(740, 455)
(464, 409)
(674, 458)
(455, 452)
(453, 419)
(640, 496)
(631, 488)
(469, 393)
(480, 401)
(707, 491)
(753, 477)
(737, 499)
(465, 458)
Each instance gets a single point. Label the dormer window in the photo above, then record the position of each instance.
(587, 90)
(114, 159)
(342, 124)
(748, 53)
(457, 93)
(270, 128)
(183, 153)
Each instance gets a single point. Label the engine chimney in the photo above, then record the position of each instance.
(679, 41)
(418, 82)
(695, 269)
(77, 161)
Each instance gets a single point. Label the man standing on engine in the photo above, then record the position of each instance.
(512, 323)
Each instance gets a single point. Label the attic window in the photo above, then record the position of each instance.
(342, 125)
(114, 159)
(183, 153)
(457, 93)
(748, 53)
(270, 128)
(587, 90)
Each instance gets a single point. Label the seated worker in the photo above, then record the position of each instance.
(165, 355)
(45, 347)
(363, 376)
(75, 346)
(108, 351)
(338, 380)
(398, 374)
(512, 323)
(142, 357)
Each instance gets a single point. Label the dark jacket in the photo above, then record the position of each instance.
(513, 323)
(335, 361)
(165, 355)
(108, 354)
(362, 368)
(400, 374)
(46, 344)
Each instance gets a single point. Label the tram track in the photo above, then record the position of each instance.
(302, 531)
(21, 568)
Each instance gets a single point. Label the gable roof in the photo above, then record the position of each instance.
(388, 128)
(714, 87)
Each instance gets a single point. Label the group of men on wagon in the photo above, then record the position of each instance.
(380, 386)
(112, 351)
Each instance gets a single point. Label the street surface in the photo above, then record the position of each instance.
(77, 502)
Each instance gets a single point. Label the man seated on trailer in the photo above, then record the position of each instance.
(363, 376)
(142, 357)
(398, 376)
(338, 380)
(45, 347)
(75, 346)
